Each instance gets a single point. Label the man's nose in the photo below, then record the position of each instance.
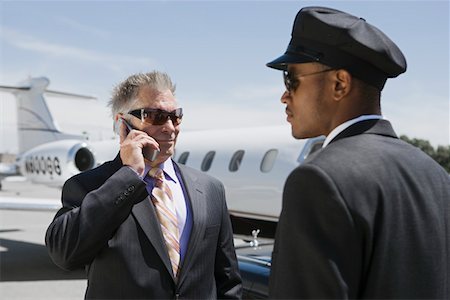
(168, 126)
(285, 97)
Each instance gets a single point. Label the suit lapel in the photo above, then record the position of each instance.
(145, 214)
(197, 199)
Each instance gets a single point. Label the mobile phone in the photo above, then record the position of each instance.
(148, 153)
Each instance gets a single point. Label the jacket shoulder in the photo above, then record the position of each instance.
(94, 178)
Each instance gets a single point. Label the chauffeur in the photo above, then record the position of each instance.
(368, 215)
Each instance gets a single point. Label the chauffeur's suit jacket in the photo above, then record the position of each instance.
(108, 224)
(366, 217)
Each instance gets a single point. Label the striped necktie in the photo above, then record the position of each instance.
(165, 210)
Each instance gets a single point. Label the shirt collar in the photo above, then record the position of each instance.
(334, 133)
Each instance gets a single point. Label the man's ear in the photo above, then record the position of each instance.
(342, 84)
(116, 124)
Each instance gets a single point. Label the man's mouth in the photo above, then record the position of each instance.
(289, 115)
(166, 141)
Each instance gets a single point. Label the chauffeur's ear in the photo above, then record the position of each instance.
(342, 84)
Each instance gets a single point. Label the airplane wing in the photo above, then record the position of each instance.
(15, 203)
(7, 169)
(14, 89)
(68, 95)
(11, 89)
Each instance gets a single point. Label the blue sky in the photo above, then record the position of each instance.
(215, 51)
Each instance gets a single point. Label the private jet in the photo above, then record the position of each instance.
(253, 163)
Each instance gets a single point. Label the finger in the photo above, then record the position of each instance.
(146, 141)
(136, 139)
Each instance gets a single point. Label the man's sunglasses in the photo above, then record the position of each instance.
(158, 116)
(291, 80)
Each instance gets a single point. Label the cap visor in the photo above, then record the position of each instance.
(281, 63)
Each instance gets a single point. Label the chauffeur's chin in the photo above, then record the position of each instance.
(294, 131)
(299, 131)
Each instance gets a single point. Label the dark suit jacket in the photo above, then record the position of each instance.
(366, 217)
(109, 224)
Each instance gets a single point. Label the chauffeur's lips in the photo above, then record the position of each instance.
(289, 115)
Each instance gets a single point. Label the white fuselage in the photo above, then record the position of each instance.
(252, 163)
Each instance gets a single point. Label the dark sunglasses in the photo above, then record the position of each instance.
(158, 116)
(291, 80)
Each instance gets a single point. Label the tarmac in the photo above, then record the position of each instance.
(26, 270)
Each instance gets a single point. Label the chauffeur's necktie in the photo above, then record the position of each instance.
(165, 210)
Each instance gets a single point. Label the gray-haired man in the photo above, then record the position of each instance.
(144, 226)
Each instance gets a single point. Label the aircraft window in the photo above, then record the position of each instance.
(269, 160)
(236, 160)
(207, 161)
(183, 158)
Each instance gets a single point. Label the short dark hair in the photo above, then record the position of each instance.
(370, 95)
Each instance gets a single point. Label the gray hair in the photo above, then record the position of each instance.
(125, 93)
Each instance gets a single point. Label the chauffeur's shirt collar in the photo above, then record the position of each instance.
(347, 124)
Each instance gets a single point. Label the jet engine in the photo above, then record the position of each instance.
(53, 163)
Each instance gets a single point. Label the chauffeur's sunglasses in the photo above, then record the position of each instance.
(291, 80)
(158, 116)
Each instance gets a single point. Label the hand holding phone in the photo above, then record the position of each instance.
(136, 147)
(149, 153)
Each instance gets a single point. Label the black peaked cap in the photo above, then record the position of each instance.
(341, 40)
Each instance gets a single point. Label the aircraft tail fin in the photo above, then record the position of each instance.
(35, 121)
